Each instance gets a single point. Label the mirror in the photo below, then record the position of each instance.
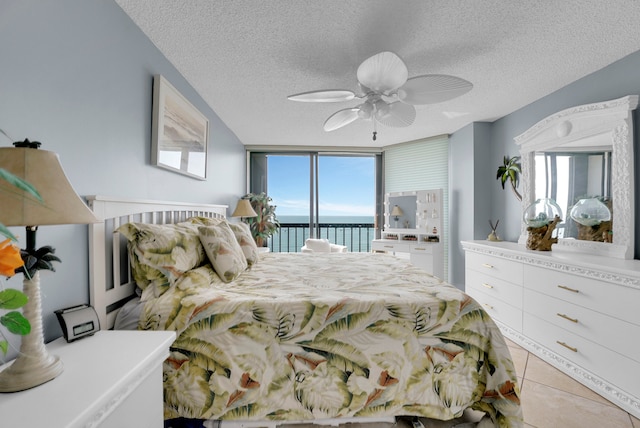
(569, 177)
(595, 144)
(404, 216)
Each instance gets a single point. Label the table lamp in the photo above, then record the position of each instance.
(244, 209)
(396, 212)
(60, 205)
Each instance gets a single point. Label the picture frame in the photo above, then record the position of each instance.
(180, 132)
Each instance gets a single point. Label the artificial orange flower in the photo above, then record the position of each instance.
(10, 258)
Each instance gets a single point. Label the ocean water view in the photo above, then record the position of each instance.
(356, 232)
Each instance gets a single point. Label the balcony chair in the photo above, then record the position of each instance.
(322, 246)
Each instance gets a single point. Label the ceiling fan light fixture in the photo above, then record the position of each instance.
(382, 109)
(389, 96)
(365, 110)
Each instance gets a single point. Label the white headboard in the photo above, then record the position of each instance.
(110, 281)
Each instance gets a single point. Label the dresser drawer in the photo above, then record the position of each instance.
(497, 309)
(423, 261)
(492, 286)
(390, 246)
(497, 267)
(421, 248)
(604, 297)
(617, 369)
(604, 330)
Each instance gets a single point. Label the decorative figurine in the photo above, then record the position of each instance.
(493, 236)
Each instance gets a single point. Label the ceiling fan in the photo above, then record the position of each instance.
(388, 95)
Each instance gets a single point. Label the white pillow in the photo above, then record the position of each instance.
(318, 245)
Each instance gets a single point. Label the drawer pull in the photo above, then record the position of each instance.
(571, 348)
(564, 287)
(388, 246)
(567, 317)
(486, 305)
(484, 284)
(487, 265)
(419, 248)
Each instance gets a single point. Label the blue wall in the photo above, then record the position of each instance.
(77, 76)
(614, 81)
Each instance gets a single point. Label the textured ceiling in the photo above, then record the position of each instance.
(245, 56)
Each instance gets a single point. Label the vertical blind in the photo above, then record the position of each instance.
(421, 165)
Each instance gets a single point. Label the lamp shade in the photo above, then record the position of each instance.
(40, 168)
(244, 209)
(396, 211)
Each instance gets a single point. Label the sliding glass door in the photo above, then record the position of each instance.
(332, 196)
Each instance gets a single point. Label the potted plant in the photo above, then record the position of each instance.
(265, 224)
(10, 262)
(510, 170)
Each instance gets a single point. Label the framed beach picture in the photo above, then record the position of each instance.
(180, 133)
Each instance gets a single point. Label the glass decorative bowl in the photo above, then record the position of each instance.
(541, 212)
(590, 212)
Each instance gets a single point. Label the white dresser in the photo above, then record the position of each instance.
(111, 379)
(578, 312)
(425, 255)
(421, 239)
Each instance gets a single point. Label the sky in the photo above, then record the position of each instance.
(346, 185)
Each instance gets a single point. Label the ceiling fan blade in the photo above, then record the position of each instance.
(323, 96)
(341, 118)
(399, 115)
(383, 73)
(433, 88)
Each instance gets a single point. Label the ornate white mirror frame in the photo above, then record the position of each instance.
(605, 123)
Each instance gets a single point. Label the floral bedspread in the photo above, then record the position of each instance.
(314, 336)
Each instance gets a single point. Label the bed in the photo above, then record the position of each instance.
(292, 337)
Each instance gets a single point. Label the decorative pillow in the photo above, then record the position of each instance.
(205, 221)
(246, 241)
(223, 251)
(160, 254)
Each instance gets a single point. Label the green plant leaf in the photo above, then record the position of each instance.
(16, 323)
(12, 299)
(6, 232)
(19, 183)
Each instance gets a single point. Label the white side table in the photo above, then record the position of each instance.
(264, 249)
(111, 379)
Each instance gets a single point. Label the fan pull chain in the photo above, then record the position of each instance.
(374, 129)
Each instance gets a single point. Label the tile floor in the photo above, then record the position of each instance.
(552, 399)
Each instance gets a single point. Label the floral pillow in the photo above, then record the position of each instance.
(160, 254)
(205, 221)
(245, 239)
(223, 251)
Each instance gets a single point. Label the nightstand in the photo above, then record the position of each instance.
(110, 379)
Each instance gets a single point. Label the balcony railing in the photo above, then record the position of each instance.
(356, 237)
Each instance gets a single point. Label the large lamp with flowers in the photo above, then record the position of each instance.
(60, 204)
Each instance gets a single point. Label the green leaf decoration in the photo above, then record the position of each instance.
(19, 183)
(12, 299)
(16, 323)
(510, 171)
(6, 232)
(4, 346)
